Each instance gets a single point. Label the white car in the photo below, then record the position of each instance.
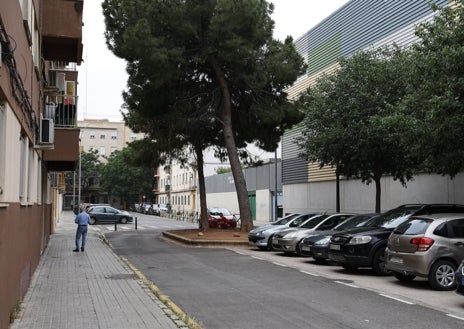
(261, 237)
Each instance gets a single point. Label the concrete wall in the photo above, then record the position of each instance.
(360, 198)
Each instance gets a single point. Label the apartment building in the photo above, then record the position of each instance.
(41, 45)
(356, 26)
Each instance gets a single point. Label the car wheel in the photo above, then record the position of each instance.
(441, 275)
(404, 277)
(298, 249)
(92, 220)
(378, 263)
(269, 243)
(124, 220)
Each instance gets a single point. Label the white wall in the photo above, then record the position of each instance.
(359, 198)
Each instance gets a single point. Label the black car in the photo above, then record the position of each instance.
(365, 246)
(317, 244)
(459, 277)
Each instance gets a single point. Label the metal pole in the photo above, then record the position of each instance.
(136, 223)
(275, 193)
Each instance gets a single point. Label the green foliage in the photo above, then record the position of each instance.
(90, 169)
(222, 170)
(437, 93)
(353, 122)
(121, 178)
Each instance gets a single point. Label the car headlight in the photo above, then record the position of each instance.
(363, 239)
(322, 242)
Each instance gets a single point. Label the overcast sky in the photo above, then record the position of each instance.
(102, 76)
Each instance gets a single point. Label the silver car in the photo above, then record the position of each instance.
(288, 240)
(430, 246)
(261, 237)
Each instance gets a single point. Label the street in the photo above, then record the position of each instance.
(248, 288)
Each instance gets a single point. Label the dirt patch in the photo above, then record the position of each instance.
(212, 235)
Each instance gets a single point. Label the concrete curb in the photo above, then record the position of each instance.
(204, 243)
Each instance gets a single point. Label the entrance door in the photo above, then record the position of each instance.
(252, 201)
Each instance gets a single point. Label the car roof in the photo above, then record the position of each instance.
(446, 216)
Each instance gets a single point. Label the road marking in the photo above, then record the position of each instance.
(397, 299)
(279, 264)
(455, 316)
(309, 273)
(347, 284)
(238, 252)
(256, 257)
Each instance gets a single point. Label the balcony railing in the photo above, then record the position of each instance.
(62, 109)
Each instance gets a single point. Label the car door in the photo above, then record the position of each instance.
(455, 230)
(110, 214)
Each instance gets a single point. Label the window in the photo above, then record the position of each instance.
(22, 165)
(92, 135)
(133, 136)
(102, 135)
(102, 151)
(114, 135)
(113, 149)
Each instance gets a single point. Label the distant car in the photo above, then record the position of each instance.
(108, 214)
(261, 236)
(459, 277)
(163, 207)
(154, 210)
(430, 246)
(365, 246)
(288, 240)
(221, 218)
(317, 243)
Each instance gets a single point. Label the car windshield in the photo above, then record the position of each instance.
(354, 221)
(286, 219)
(219, 211)
(312, 222)
(413, 226)
(393, 218)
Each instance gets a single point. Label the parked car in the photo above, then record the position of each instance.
(154, 210)
(108, 214)
(365, 246)
(317, 243)
(261, 237)
(459, 277)
(221, 218)
(429, 246)
(288, 240)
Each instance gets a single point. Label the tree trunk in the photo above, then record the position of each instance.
(239, 179)
(203, 220)
(378, 192)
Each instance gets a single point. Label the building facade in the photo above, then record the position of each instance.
(105, 137)
(356, 26)
(41, 45)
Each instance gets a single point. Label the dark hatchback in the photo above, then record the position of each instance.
(317, 244)
(365, 246)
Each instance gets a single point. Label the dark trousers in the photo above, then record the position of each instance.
(81, 231)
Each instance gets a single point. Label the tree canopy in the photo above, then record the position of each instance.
(205, 73)
(353, 122)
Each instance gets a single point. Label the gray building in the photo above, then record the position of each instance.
(356, 26)
(264, 191)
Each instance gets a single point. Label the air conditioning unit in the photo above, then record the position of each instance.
(47, 131)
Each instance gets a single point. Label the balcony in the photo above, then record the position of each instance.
(63, 151)
(62, 30)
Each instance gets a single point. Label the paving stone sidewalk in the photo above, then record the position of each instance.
(91, 289)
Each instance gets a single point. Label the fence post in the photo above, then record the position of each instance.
(136, 223)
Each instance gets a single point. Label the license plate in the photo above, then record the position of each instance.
(396, 260)
(334, 246)
(305, 248)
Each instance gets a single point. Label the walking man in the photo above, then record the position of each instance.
(82, 220)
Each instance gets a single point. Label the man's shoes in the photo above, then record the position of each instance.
(76, 250)
(82, 249)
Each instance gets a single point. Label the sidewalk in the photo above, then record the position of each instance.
(91, 289)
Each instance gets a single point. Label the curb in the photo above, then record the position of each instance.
(204, 243)
(189, 321)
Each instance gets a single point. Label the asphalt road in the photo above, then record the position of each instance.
(246, 288)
